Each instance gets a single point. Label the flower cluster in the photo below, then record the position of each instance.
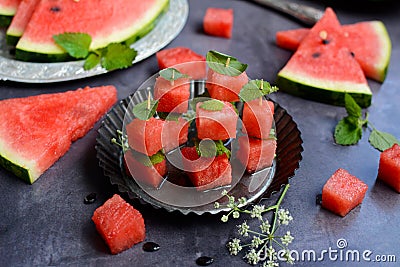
(122, 140)
(260, 243)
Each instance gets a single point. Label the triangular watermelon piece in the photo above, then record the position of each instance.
(369, 41)
(36, 131)
(8, 9)
(322, 69)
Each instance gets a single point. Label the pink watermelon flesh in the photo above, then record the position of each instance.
(218, 173)
(145, 136)
(20, 20)
(343, 192)
(368, 41)
(35, 131)
(151, 175)
(8, 8)
(389, 167)
(119, 224)
(256, 154)
(174, 133)
(257, 118)
(218, 22)
(224, 87)
(172, 96)
(216, 125)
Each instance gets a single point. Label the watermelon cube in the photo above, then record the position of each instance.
(172, 96)
(257, 118)
(145, 136)
(343, 192)
(119, 224)
(183, 59)
(218, 22)
(224, 87)
(206, 173)
(174, 133)
(389, 167)
(216, 125)
(256, 154)
(140, 168)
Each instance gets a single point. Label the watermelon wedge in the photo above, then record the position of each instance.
(20, 20)
(8, 8)
(369, 41)
(324, 70)
(36, 131)
(105, 21)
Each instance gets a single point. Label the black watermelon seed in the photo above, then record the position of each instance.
(204, 261)
(55, 9)
(89, 199)
(352, 54)
(150, 247)
(316, 55)
(325, 41)
(318, 199)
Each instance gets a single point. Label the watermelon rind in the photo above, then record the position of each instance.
(12, 38)
(383, 64)
(329, 92)
(38, 52)
(19, 171)
(5, 20)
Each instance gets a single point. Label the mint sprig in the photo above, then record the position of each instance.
(225, 64)
(209, 148)
(255, 89)
(76, 44)
(212, 105)
(148, 161)
(172, 74)
(145, 110)
(349, 130)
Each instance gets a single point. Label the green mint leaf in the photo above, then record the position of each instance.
(92, 61)
(252, 90)
(75, 44)
(118, 56)
(224, 64)
(381, 140)
(352, 108)
(145, 110)
(190, 115)
(209, 148)
(171, 74)
(346, 133)
(147, 161)
(212, 105)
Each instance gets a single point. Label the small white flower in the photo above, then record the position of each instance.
(256, 242)
(235, 214)
(252, 257)
(234, 246)
(216, 205)
(289, 259)
(287, 239)
(224, 218)
(284, 217)
(265, 227)
(271, 253)
(243, 229)
(270, 263)
(257, 211)
(242, 201)
(224, 192)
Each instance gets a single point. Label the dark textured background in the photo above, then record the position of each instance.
(47, 223)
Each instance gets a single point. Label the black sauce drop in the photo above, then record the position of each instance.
(55, 9)
(204, 261)
(89, 199)
(150, 247)
(325, 41)
(316, 55)
(318, 199)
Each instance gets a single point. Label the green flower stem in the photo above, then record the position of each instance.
(276, 207)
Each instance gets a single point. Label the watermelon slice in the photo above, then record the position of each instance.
(257, 118)
(369, 41)
(206, 173)
(172, 96)
(343, 192)
(218, 22)
(175, 57)
(119, 224)
(324, 70)
(174, 133)
(105, 21)
(389, 167)
(224, 87)
(20, 20)
(35, 131)
(8, 8)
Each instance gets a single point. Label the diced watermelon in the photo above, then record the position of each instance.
(216, 125)
(172, 96)
(256, 154)
(183, 59)
(218, 22)
(224, 87)
(206, 173)
(174, 133)
(119, 224)
(389, 167)
(151, 175)
(145, 136)
(258, 116)
(343, 192)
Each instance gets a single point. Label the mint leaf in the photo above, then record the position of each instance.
(75, 44)
(346, 133)
(209, 148)
(224, 64)
(148, 161)
(92, 61)
(381, 140)
(255, 89)
(145, 110)
(352, 108)
(118, 56)
(212, 105)
(171, 74)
